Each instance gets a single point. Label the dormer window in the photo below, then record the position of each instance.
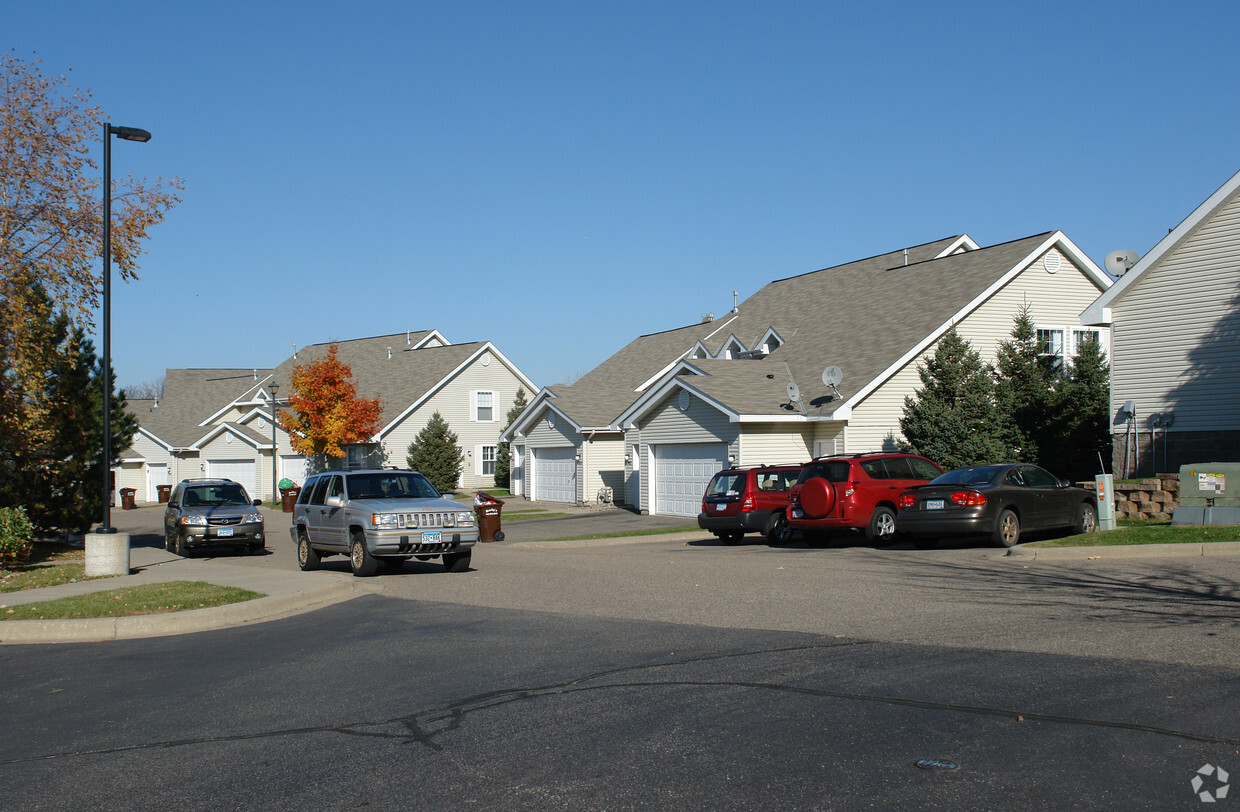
(732, 348)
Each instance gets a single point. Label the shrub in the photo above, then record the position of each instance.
(16, 536)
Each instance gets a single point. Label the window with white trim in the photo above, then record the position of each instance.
(484, 409)
(487, 457)
(1061, 343)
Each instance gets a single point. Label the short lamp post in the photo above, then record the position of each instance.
(275, 387)
(111, 550)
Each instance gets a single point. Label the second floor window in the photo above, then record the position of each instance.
(484, 408)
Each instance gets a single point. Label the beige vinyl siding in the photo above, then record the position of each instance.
(828, 438)
(774, 444)
(454, 402)
(700, 423)
(1056, 299)
(603, 463)
(541, 435)
(1176, 334)
(221, 449)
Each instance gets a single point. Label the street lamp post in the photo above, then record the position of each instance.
(274, 457)
(109, 562)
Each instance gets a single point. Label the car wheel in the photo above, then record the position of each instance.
(882, 528)
(1007, 531)
(925, 544)
(457, 562)
(363, 563)
(169, 544)
(179, 546)
(307, 557)
(731, 538)
(777, 529)
(1086, 519)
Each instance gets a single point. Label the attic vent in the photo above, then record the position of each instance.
(1051, 262)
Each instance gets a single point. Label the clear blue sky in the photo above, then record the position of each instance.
(561, 177)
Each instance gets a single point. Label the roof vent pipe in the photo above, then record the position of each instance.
(735, 308)
(389, 353)
(256, 374)
(905, 256)
(294, 350)
(408, 336)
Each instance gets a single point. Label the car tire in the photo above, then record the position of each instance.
(457, 562)
(777, 529)
(169, 544)
(1007, 530)
(179, 546)
(882, 527)
(307, 557)
(1086, 519)
(363, 563)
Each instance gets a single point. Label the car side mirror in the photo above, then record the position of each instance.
(258, 502)
(1063, 483)
(334, 501)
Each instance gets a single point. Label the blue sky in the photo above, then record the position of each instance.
(559, 177)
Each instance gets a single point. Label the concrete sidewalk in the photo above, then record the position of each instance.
(287, 592)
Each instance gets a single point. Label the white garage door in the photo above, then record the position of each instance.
(681, 474)
(555, 475)
(293, 466)
(238, 471)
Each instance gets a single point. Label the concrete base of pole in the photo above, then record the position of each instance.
(107, 554)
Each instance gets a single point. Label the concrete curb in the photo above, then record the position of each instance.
(171, 623)
(700, 535)
(1103, 551)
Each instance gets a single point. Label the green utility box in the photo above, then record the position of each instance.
(1209, 494)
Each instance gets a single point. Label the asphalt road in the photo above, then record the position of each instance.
(666, 674)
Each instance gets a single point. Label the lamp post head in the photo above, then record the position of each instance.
(129, 133)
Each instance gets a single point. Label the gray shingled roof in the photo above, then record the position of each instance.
(398, 381)
(191, 396)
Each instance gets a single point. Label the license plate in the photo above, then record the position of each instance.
(934, 504)
(224, 532)
(719, 506)
(432, 538)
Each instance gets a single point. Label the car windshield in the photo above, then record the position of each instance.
(394, 485)
(230, 494)
(830, 470)
(982, 475)
(729, 484)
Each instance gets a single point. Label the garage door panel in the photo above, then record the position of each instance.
(555, 475)
(682, 473)
(240, 471)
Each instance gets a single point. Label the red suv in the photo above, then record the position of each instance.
(855, 491)
(743, 500)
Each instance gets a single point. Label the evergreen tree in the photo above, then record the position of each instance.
(435, 454)
(1023, 390)
(54, 469)
(503, 458)
(952, 418)
(1080, 432)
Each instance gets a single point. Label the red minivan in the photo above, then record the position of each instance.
(748, 500)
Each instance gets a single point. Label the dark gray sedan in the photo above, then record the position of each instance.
(998, 501)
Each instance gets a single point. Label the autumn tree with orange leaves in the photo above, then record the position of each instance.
(325, 413)
(51, 225)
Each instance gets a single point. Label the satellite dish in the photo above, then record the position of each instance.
(1118, 262)
(794, 392)
(832, 376)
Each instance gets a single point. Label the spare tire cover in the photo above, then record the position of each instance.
(817, 498)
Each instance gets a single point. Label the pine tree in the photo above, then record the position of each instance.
(503, 455)
(1080, 433)
(434, 453)
(1023, 390)
(952, 418)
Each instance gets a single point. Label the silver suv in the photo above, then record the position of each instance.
(380, 517)
(212, 513)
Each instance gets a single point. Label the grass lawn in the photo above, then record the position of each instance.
(147, 599)
(28, 577)
(1147, 532)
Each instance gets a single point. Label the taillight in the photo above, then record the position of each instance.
(968, 498)
(907, 500)
(852, 488)
(748, 503)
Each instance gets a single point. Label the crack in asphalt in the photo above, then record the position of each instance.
(425, 726)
